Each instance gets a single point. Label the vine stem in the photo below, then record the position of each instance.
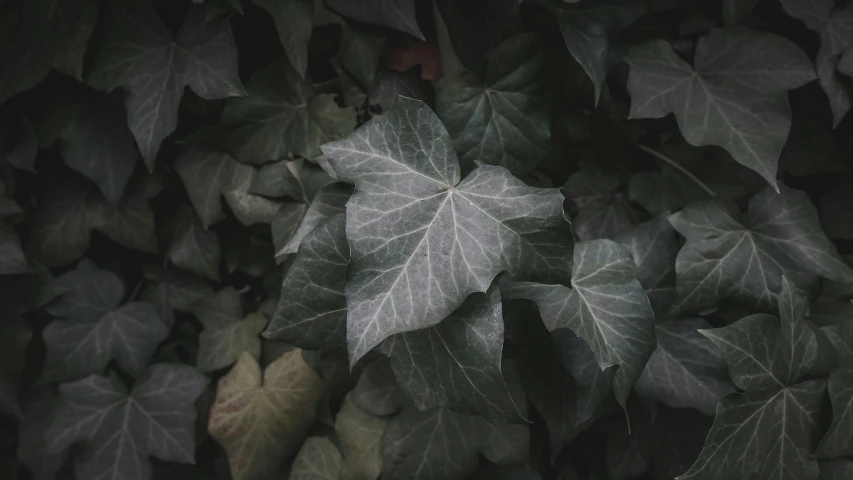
(678, 167)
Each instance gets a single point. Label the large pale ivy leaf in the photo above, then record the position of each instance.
(377, 391)
(171, 290)
(193, 248)
(120, 429)
(501, 119)
(50, 33)
(421, 238)
(260, 418)
(686, 370)
(329, 201)
(457, 363)
(312, 308)
(142, 56)
(585, 29)
(207, 174)
(396, 14)
(443, 444)
(606, 306)
(835, 27)
(734, 96)
(768, 430)
(12, 258)
(318, 459)
(294, 20)
(281, 117)
(226, 335)
(742, 257)
(602, 210)
(360, 435)
(654, 248)
(838, 439)
(94, 327)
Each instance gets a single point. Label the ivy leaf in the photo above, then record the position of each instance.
(294, 20)
(838, 441)
(835, 27)
(443, 444)
(192, 247)
(654, 248)
(207, 174)
(734, 96)
(285, 224)
(396, 14)
(12, 258)
(360, 55)
(94, 327)
(377, 391)
(226, 335)
(318, 459)
(404, 167)
(312, 308)
(23, 154)
(120, 429)
(141, 55)
(280, 117)
(51, 33)
(360, 435)
(768, 430)
(33, 450)
(15, 335)
(606, 306)
(835, 470)
(500, 119)
(171, 290)
(457, 363)
(743, 257)
(279, 179)
(260, 420)
(686, 370)
(737, 11)
(330, 200)
(603, 211)
(585, 30)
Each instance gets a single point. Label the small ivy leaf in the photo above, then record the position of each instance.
(120, 429)
(171, 290)
(836, 209)
(143, 57)
(318, 459)
(226, 335)
(33, 450)
(585, 29)
(130, 222)
(285, 224)
(841, 338)
(93, 329)
(330, 200)
(738, 100)
(606, 306)
(15, 335)
(443, 444)
(838, 439)
(737, 11)
(281, 117)
(835, 27)
(12, 258)
(279, 179)
(207, 174)
(360, 55)
(602, 211)
(294, 20)
(396, 14)
(312, 308)
(409, 275)
(654, 247)
(377, 391)
(457, 363)
(743, 257)
(501, 119)
(193, 248)
(51, 33)
(686, 370)
(360, 435)
(768, 430)
(260, 419)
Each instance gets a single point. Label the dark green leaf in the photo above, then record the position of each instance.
(654, 248)
(15, 335)
(172, 291)
(294, 20)
(838, 440)
(142, 56)
(603, 211)
(737, 89)
(12, 259)
(226, 335)
(329, 201)
(33, 450)
(836, 209)
(192, 247)
(377, 392)
(396, 14)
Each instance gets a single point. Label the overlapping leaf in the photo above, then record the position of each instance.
(422, 238)
(318, 459)
(226, 335)
(294, 20)
(360, 434)
(397, 14)
(602, 210)
(192, 247)
(734, 96)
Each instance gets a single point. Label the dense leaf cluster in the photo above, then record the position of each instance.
(426, 239)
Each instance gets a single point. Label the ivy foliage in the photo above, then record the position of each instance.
(426, 239)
